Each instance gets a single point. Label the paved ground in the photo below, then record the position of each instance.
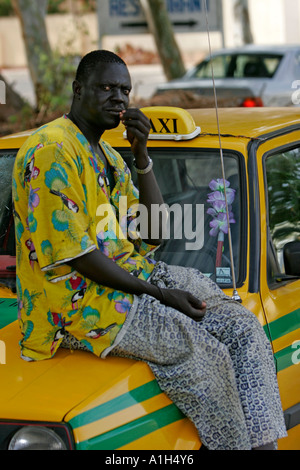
(21, 82)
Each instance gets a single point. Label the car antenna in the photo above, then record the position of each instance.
(235, 295)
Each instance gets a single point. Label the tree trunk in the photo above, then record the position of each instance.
(161, 27)
(242, 20)
(32, 17)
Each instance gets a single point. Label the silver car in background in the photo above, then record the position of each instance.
(252, 75)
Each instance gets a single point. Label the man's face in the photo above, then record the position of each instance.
(105, 94)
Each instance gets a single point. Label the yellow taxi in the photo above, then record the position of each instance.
(75, 400)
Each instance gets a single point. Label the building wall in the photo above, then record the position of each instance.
(67, 32)
(272, 21)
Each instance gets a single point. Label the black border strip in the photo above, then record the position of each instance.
(254, 216)
(292, 417)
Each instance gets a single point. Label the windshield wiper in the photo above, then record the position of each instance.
(279, 277)
(10, 283)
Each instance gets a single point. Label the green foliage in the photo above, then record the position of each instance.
(22, 118)
(89, 5)
(55, 6)
(6, 8)
(58, 73)
(60, 6)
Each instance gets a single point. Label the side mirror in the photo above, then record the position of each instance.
(291, 256)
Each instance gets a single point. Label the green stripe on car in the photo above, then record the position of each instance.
(139, 394)
(285, 358)
(8, 311)
(285, 325)
(134, 430)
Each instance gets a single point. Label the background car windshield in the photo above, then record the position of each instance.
(192, 187)
(239, 66)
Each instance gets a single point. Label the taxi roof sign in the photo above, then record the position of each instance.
(170, 123)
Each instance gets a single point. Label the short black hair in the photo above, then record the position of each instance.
(92, 59)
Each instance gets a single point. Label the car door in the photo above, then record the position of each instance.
(279, 188)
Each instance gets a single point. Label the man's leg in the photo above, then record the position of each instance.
(250, 352)
(192, 368)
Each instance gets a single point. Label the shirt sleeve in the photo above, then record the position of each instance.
(57, 217)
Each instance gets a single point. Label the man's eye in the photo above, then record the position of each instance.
(102, 87)
(126, 91)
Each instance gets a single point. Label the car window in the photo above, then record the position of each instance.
(258, 66)
(220, 65)
(297, 64)
(191, 183)
(283, 202)
(7, 230)
(239, 66)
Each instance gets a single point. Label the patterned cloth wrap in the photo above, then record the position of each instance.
(219, 372)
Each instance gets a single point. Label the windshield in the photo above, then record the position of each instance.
(197, 231)
(238, 66)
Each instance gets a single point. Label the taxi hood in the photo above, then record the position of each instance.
(48, 390)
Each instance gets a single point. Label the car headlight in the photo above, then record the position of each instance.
(36, 438)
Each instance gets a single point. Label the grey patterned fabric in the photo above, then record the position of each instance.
(219, 372)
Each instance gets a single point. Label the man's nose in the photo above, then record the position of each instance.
(118, 95)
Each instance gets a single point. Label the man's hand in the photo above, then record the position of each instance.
(102, 270)
(183, 301)
(138, 127)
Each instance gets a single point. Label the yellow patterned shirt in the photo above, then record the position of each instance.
(64, 208)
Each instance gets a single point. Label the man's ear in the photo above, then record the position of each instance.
(76, 89)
